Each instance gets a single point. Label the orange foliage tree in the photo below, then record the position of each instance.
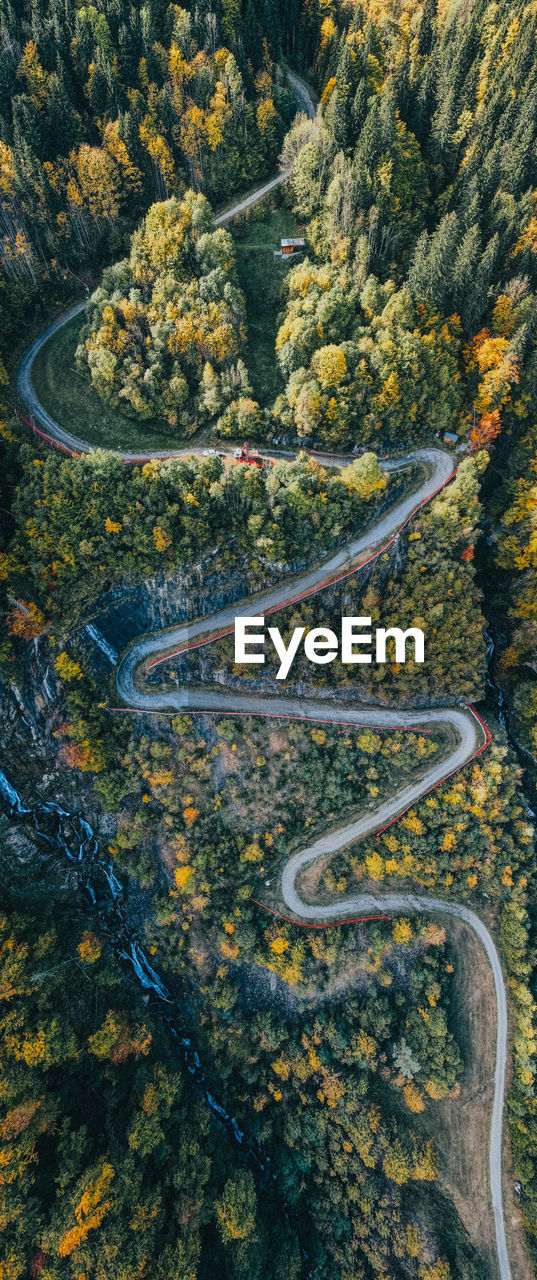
(116, 1041)
(81, 755)
(25, 620)
(497, 369)
(487, 427)
(89, 1212)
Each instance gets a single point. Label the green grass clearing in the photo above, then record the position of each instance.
(77, 407)
(261, 276)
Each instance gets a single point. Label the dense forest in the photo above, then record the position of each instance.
(106, 109)
(417, 183)
(414, 308)
(123, 130)
(110, 1165)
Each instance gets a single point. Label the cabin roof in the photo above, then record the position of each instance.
(295, 244)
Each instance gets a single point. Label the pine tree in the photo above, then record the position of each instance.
(342, 99)
(359, 109)
(431, 271)
(427, 31)
(252, 37)
(64, 126)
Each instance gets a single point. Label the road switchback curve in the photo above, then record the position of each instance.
(469, 733)
(67, 440)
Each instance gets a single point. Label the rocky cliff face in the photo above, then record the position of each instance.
(32, 708)
(31, 704)
(27, 867)
(129, 610)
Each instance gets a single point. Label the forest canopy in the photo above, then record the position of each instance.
(413, 311)
(106, 108)
(388, 368)
(165, 330)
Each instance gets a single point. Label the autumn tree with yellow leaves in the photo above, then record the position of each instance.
(165, 316)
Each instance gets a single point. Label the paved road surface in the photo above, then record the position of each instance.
(466, 727)
(468, 734)
(302, 94)
(24, 374)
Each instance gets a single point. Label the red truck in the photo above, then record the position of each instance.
(250, 456)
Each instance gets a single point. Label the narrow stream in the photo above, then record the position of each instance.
(497, 695)
(490, 579)
(104, 896)
(500, 703)
(104, 893)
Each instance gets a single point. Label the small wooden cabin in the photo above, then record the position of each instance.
(292, 246)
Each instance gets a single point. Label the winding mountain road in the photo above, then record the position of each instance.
(468, 738)
(54, 432)
(468, 733)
